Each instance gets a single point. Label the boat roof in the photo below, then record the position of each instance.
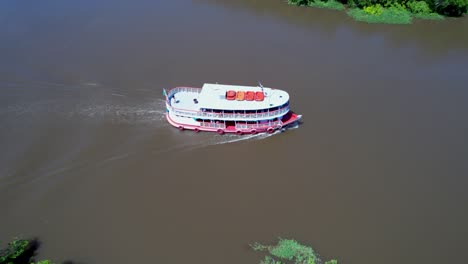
(213, 96)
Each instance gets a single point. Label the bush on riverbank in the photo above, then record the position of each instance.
(330, 4)
(289, 251)
(21, 251)
(378, 14)
(392, 11)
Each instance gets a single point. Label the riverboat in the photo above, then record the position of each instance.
(229, 109)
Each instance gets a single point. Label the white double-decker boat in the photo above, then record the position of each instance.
(229, 109)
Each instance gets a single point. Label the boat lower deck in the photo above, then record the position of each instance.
(231, 126)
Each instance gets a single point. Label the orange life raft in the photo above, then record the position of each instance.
(230, 95)
(249, 96)
(259, 96)
(240, 96)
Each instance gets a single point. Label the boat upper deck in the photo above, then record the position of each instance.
(213, 96)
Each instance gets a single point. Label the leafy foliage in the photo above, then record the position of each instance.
(289, 251)
(419, 7)
(375, 10)
(21, 251)
(391, 11)
(450, 7)
(331, 4)
(15, 249)
(298, 2)
(391, 15)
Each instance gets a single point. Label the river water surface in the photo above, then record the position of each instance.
(376, 173)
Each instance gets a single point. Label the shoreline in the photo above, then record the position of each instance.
(390, 11)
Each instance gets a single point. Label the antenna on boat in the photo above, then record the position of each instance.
(260, 84)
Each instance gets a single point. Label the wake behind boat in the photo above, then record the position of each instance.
(229, 109)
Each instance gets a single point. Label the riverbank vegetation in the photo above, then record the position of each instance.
(21, 251)
(392, 11)
(289, 251)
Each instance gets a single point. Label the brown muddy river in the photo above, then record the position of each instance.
(377, 172)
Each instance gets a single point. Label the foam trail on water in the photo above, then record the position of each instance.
(293, 126)
(149, 112)
(88, 99)
(227, 139)
(235, 138)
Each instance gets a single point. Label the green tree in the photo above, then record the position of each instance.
(21, 251)
(289, 251)
(450, 7)
(299, 2)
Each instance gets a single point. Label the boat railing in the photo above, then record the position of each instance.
(202, 114)
(259, 125)
(212, 125)
(182, 89)
(241, 126)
